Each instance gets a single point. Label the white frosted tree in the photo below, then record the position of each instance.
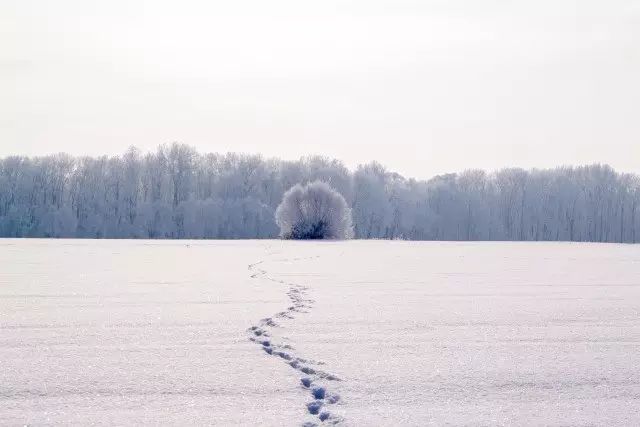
(314, 211)
(177, 192)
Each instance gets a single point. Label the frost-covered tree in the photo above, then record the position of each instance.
(176, 192)
(314, 211)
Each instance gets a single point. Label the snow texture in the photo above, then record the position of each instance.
(373, 333)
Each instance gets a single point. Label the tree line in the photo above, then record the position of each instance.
(177, 192)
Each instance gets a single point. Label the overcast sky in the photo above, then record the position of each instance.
(423, 86)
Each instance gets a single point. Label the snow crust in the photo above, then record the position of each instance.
(372, 333)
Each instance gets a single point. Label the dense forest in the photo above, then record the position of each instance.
(177, 192)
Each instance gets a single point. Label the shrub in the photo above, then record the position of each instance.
(314, 211)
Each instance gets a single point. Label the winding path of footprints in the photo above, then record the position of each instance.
(312, 378)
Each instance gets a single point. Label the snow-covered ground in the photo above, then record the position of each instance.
(387, 333)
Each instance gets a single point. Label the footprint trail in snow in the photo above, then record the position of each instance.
(313, 379)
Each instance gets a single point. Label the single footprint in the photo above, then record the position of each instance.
(324, 416)
(314, 407)
(319, 392)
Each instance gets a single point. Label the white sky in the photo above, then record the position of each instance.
(423, 86)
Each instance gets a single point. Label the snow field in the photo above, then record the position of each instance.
(319, 333)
